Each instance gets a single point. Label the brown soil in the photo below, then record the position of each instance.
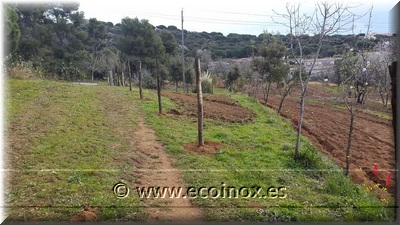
(143, 99)
(219, 107)
(151, 167)
(88, 214)
(157, 171)
(328, 128)
(209, 147)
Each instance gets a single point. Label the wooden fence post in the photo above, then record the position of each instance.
(199, 103)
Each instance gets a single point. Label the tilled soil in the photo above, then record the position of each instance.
(328, 129)
(219, 107)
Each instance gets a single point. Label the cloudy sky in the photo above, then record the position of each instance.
(243, 17)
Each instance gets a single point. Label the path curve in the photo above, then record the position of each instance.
(157, 171)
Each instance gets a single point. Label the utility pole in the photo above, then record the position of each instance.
(183, 58)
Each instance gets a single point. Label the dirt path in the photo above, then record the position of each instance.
(157, 171)
(150, 165)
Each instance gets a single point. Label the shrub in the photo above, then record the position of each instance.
(206, 83)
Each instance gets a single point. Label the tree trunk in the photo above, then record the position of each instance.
(393, 74)
(387, 98)
(266, 95)
(285, 94)
(130, 76)
(118, 78)
(94, 61)
(111, 78)
(140, 80)
(199, 103)
(349, 140)
(299, 125)
(123, 78)
(255, 89)
(158, 89)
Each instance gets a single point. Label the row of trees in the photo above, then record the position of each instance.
(60, 42)
(244, 45)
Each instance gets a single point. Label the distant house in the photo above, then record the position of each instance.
(322, 67)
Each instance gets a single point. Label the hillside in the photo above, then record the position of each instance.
(57, 41)
(245, 45)
(68, 145)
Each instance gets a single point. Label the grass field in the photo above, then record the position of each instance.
(67, 145)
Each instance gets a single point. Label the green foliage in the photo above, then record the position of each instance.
(271, 65)
(253, 156)
(11, 30)
(139, 39)
(56, 36)
(238, 84)
(75, 130)
(232, 76)
(346, 67)
(169, 42)
(53, 39)
(206, 83)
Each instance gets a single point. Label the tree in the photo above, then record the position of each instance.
(139, 41)
(12, 31)
(231, 77)
(285, 85)
(346, 66)
(329, 18)
(349, 101)
(380, 68)
(351, 71)
(97, 36)
(270, 65)
(53, 39)
(169, 42)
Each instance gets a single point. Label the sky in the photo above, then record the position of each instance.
(242, 17)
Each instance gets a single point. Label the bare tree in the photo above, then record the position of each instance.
(328, 18)
(356, 77)
(284, 88)
(383, 57)
(349, 101)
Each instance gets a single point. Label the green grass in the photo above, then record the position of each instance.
(76, 144)
(81, 136)
(336, 90)
(261, 154)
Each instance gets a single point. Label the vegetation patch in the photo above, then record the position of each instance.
(64, 143)
(258, 155)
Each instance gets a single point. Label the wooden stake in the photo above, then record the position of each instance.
(199, 103)
(158, 89)
(140, 80)
(130, 75)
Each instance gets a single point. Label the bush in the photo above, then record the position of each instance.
(206, 83)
